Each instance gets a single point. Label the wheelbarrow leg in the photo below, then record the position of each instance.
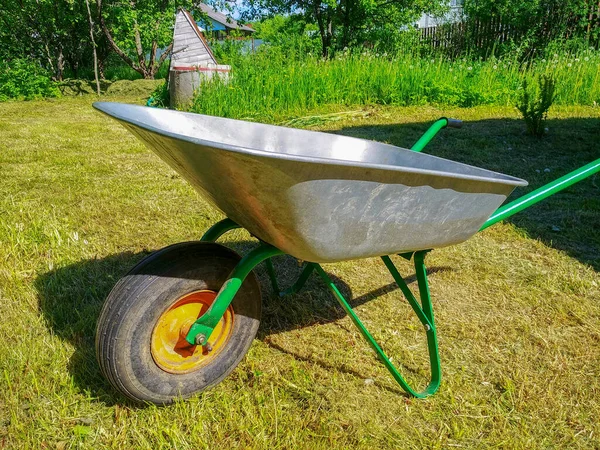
(225, 225)
(423, 311)
(201, 330)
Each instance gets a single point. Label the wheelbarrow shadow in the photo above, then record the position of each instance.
(569, 220)
(71, 298)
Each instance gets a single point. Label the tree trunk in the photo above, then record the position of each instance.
(324, 30)
(156, 65)
(87, 4)
(329, 30)
(145, 70)
(103, 50)
(74, 66)
(114, 45)
(346, 23)
(49, 58)
(60, 66)
(101, 69)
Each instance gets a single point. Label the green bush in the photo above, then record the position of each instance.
(160, 96)
(25, 80)
(291, 35)
(535, 103)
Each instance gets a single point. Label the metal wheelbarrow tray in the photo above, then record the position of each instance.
(191, 310)
(321, 197)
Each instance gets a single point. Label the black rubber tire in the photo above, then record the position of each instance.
(137, 301)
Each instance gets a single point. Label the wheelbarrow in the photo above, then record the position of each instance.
(183, 318)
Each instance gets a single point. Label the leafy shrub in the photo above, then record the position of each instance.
(23, 79)
(534, 104)
(160, 96)
(292, 35)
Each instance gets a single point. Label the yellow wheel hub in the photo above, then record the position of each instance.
(171, 352)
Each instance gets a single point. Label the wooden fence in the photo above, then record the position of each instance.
(485, 35)
(479, 34)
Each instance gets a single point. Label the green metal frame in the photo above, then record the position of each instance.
(309, 268)
(424, 312)
(201, 330)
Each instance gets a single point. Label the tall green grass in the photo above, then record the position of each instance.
(271, 86)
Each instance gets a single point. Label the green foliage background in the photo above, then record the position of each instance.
(537, 24)
(375, 56)
(22, 79)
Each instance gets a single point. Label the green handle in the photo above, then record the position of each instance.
(433, 130)
(540, 194)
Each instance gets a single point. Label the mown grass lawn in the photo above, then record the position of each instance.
(517, 306)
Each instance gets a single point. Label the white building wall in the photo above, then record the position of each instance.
(454, 15)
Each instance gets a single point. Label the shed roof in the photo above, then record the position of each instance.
(189, 46)
(227, 22)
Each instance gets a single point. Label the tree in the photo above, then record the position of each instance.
(291, 33)
(343, 23)
(52, 32)
(140, 31)
(93, 40)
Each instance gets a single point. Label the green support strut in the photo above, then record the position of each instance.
(424, 312)
(300, 282)
(201, 330)
(219, 229)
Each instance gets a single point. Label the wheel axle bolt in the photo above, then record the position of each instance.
(200, 339)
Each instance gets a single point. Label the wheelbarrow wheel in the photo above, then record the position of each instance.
(140, 338)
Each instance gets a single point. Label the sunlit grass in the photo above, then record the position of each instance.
(517, 306)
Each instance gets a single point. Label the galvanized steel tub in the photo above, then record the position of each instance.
(320, 197)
